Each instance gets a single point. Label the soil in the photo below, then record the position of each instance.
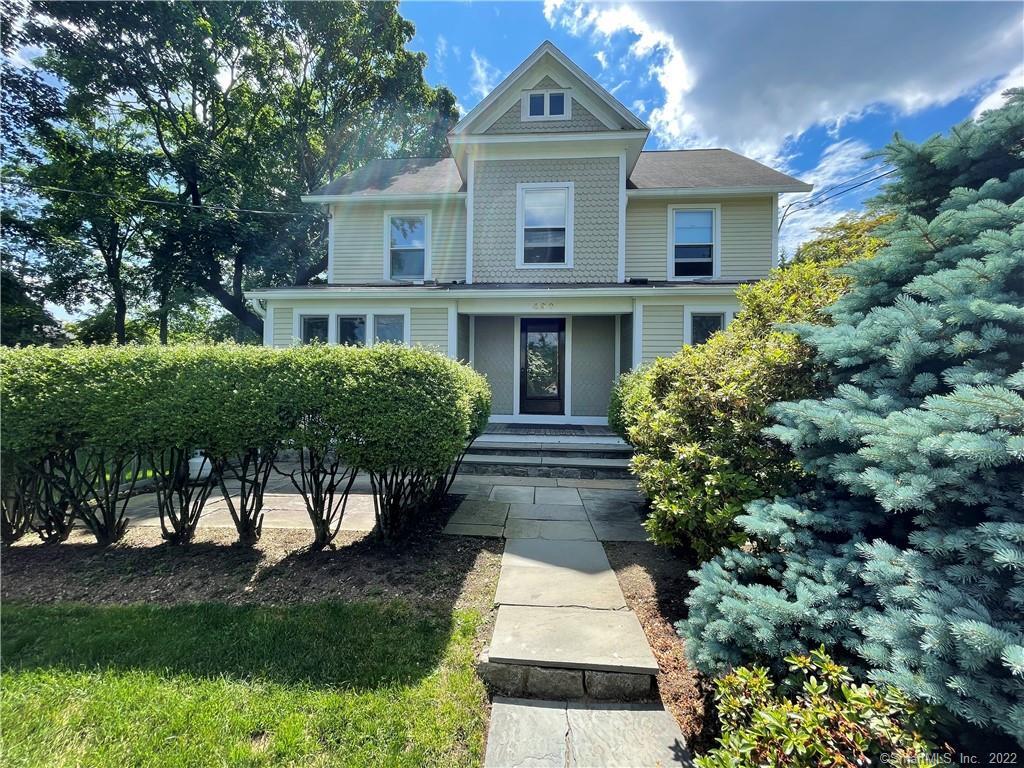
(655, 584)
(426, 569)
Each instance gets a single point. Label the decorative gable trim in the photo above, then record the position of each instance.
(548, 49)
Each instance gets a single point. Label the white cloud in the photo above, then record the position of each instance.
(602, 59)
(994, 99)
(484, 77)
(756, 76)
(441, 48)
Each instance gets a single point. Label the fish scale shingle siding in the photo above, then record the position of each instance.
(595, 223)
(511, 121)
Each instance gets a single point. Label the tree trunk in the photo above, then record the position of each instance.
(120, 313)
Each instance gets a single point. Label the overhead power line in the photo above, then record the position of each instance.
(169, 203)
(812, 202)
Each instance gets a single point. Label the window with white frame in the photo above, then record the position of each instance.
(692, 242)
(408, 254)
(314, 328)
(544, 214)
(352, 330)
(705, 324)
(546, 105)
(389, 328)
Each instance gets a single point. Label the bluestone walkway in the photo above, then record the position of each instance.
(561, 612)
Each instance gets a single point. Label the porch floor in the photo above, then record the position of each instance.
(550, 430)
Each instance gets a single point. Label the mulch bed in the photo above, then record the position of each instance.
(427, 569)
(655, 584)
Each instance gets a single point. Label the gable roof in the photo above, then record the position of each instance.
(547, 48)
(400, 176)
(707, 169)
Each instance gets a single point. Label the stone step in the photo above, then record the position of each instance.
(557, 734)
(571, 638)
(550, 466)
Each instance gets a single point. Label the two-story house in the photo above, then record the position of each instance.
(550, 251)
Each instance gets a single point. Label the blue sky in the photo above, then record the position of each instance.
(808, 88)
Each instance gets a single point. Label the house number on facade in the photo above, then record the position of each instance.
(544, 305)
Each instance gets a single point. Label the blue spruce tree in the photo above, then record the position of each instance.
(907, 554)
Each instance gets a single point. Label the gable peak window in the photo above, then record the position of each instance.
(544, 213)
(547, 105)
(408, 246)
(693, 242)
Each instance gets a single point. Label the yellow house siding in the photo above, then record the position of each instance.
(593, 363)
(662, 331)
(359, 239)
(746, 231)
(428, 327)
(283, 319)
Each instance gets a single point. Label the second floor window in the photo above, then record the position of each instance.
(692, 242)
(544, 214)
(408, 246)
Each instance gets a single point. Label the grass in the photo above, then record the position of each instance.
(360, 684)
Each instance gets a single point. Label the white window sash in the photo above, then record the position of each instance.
(521, 189)
(716, 235)
(427, 266)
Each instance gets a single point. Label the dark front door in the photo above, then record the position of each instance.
(542, 366)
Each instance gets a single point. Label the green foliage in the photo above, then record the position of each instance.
(696, 419)
(906, 554)
(829, 721)
(24, 318)
(88, 414)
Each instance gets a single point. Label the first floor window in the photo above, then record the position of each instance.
(693, 242)
(408, 246)
(390, 328)
(352, 330)
(545, 218)
(314, 328)
(703, 325)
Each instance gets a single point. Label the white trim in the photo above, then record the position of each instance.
(533, 138)
(775, 230)
(547, 48)
(453, 332)
(524, 105)
(516, 353)
(365, 197)
(618, 345)
(728, 312)
(638, 333)
(567, 362)
(570, 194)
(532, 418)
(716, 246)
(330, 243)
(472, 341)
(333, 312)
(621, 274)
(443, 293)
(717, 191)
(488, 439)
(469, 223)
(427, 273)
(268, 327)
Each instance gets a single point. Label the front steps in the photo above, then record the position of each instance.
(569, 456)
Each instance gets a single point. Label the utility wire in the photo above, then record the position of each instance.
(170, 203)
(813, 202)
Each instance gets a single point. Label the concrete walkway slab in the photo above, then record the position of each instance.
(520, 494)
(557, 734)
(557, 573)
(546, 512)
(480, 512)
(571, 638)
(606, 530)
(555, 530)
(558, 496)
(472, 529)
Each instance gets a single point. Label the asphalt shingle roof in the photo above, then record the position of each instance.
(403, 176)
(696, 168)
(669, 169)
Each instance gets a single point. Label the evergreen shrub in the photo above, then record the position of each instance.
(906, 554)
(696, 419)
(81, 425)
(825, 720)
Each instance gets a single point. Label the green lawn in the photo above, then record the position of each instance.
(322, 684)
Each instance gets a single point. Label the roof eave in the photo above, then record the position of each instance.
(446, 294)
(718, 191)
(383, 198)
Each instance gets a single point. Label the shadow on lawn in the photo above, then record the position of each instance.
(357, 646)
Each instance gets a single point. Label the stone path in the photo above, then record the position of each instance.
(566, 654)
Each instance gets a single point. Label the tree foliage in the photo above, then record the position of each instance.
(907, 555)
(696, 419)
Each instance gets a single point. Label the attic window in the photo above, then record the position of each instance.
(546, 105)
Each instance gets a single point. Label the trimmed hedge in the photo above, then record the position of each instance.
(87, 419)
(696, 419)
